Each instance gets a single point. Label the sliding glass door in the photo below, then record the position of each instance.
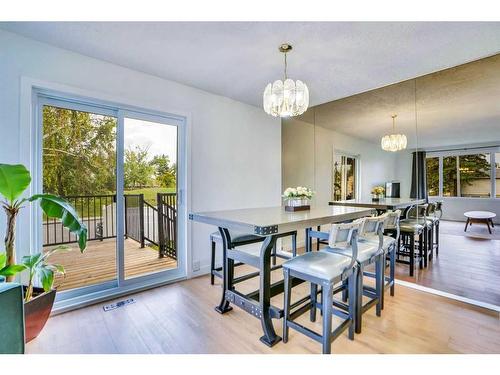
(150, 183)
(120, 169)
(79, 164)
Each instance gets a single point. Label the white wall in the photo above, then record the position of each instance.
(454, 208)
(235, 148)
(308, 155)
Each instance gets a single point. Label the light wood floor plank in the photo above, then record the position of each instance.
(180, 318)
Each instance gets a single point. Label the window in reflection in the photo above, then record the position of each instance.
(344, 177)
(467, 176)
(475, 171)
(432, 167)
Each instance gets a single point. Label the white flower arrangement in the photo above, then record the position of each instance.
(298, 192)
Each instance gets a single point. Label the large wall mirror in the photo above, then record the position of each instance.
(451, 120)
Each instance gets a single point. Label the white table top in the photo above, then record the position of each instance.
(275, 220)
(382, 203)
(480, 214)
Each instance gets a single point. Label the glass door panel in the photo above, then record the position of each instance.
(150, 187)
(79, 164)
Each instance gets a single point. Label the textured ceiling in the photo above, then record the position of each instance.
(456, 106)
(237, 60)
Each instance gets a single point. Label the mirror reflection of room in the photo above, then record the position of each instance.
(430, 146)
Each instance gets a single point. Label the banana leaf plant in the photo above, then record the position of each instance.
(39, 269)
(14, 180)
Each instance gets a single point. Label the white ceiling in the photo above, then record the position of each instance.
(237, 60)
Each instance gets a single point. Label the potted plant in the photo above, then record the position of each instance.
(377, 193)
(14, 180)
(297, 199)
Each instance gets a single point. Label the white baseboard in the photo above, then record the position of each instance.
(469, 301)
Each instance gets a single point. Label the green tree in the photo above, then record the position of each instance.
(470, 168)
(79, 155)
(138, 171)
(165, 173)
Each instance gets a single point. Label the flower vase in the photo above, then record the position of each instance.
(297, 204)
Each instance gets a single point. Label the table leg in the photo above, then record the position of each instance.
(228, 273)
(270, 337)
(488, 224)
(466, 224)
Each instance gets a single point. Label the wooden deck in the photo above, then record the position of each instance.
(98, 263)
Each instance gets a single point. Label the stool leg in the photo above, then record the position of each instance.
(426, 246)
(437, 238)
(431, 243)
(274, 254)
(351, 282)
(314, 299)
(212, 264)
(327, 298)
(392, 269)
(412, 254)
(345, 292)
(286, 305)
(379, 284)
(358, 296)
(421, 250)
(294, 245)
(317, 240)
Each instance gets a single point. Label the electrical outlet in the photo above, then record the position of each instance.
(196, 265)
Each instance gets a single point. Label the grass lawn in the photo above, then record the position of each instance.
(150, 193)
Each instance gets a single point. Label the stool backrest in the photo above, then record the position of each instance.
(431, 209)
(392, 221)
(417, 211)
(371, 226)
(345, 235)
(341, 234)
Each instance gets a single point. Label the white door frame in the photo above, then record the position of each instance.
(32, 91)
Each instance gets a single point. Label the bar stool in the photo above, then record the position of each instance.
(368, 253)
(415, 224)
(240, 239)
(389, 247)
(324, 269)
(433, 216)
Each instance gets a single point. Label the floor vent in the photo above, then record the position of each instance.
(113, 306)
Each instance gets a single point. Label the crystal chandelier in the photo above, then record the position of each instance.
(286, 98)
(393, 142)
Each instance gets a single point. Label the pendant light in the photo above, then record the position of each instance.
(286, 98)
(394, 142)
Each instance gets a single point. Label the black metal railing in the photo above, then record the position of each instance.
(97, 212)
(167, 230)
(144, 222)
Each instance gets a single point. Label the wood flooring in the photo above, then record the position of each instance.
(180, 318)
(468, 264)
(98, 263)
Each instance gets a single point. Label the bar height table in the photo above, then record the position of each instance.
(382, 204)
(271, 223)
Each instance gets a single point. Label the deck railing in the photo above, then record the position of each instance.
(144, 223)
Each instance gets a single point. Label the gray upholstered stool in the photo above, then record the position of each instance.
(433, 216)
(389, 247)
(369, 252)
(415, 224)
(240, 239)
(326, 270)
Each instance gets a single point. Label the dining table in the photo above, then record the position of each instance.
(381, 204)
(270, 223)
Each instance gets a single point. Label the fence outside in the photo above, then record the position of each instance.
(144, 223)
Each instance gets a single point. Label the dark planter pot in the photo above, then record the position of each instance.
(37, 312)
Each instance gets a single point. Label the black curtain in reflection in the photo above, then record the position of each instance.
(418, 176)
